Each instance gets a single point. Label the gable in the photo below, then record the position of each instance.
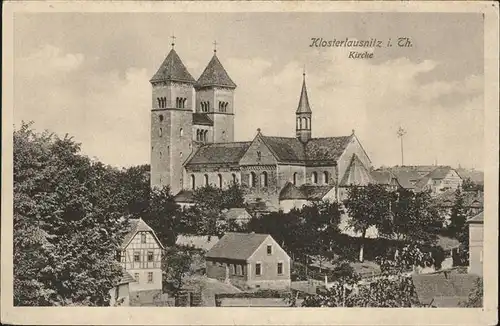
(258, 153)
(353, 148)
(278, 252)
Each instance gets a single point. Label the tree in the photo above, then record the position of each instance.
(176, 266)
(475, 299)
(469, 185)
(67, 225)
(458, 227)
(367, 206)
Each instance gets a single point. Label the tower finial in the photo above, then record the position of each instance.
(215, 46)
(173, 40)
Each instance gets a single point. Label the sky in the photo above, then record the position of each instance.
(87, 75)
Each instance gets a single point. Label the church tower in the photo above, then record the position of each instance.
(171, 122)
(303, 115)
(215, 98)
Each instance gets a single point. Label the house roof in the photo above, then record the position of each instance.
(356, 174)
(290, 191)
(315, 192)
(303, 106)
(439, 172)
(125, 278)
(215, 75)
(443, 284)
(474, 175)
(202, 119)
(135, 226)
(219, 153)
(184, 196)
(422, 183)
(447, 243)
(205, 242)
(472, 199)
(407, 176)
(172, 69)
(477, 219)
(292, 150)
(239, 246)
(237, 213)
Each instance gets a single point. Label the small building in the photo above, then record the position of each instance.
(120, 293)
(440, 179)
(185, 198)
(140, 255)
(476, 236)
(249, 260)
(240, 215)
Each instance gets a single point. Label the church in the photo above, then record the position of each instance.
(192, 145)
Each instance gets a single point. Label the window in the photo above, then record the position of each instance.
(205, 179)
(181, 131)
(259, 156)
(205, 135)
(298, 124)
(280, 268)
(193, 181)
(263, 179)
(137, 256)
(150, 277)
(161, 117)
(269, 249)
(160, 132)
(239, 270)
(143, 237)
(295, 179)
(257, 269)
(136, 276)
(234, 269)
(325, 177)
(234, 178)
(253, 179)
(150, 256)
(314, 177)
(220, 180)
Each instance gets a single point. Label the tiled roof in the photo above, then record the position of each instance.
(172, 69)
(137, 225)
(422, 184)
(472, 199)
(439, 172)
(356, 174)
(219, 153)
(184, 196)
(126, 278)
(237, 214)
(290, 191)
(215, 75)
(407, 176)
(204, 242)
(303, 106)
(202, 119)
(238, 246)
(474, 175)
(292, 150)
(315, 192)
(450, 284)
(479, 218)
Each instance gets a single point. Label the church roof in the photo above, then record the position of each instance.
(292, 150)
(172, 69)
(202, 119)
(215, 75)
(303, 106)
(356, 174)
(219, 153)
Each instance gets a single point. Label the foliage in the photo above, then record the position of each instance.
(67, 222)
(469, 185)
(458, 227)
(176, 266)
(475, 299)
(395, 291)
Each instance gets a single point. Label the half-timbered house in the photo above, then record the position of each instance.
(140, 255)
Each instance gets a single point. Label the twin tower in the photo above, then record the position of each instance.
(187, 114)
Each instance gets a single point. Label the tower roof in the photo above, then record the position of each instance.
(215, 75)
(304, 100)
(172, 69)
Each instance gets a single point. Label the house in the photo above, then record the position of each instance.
(240, 215)
(120, 293)
(387, 179)
(406, 176)
(140, 255)
(440, 179)
(249, 260)
(476, 234)
(473, 202)
(443, 289)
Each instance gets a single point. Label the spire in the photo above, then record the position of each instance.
(215, 74)
(304, 100)
(172, 69)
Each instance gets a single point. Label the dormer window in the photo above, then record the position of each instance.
(143, 237)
